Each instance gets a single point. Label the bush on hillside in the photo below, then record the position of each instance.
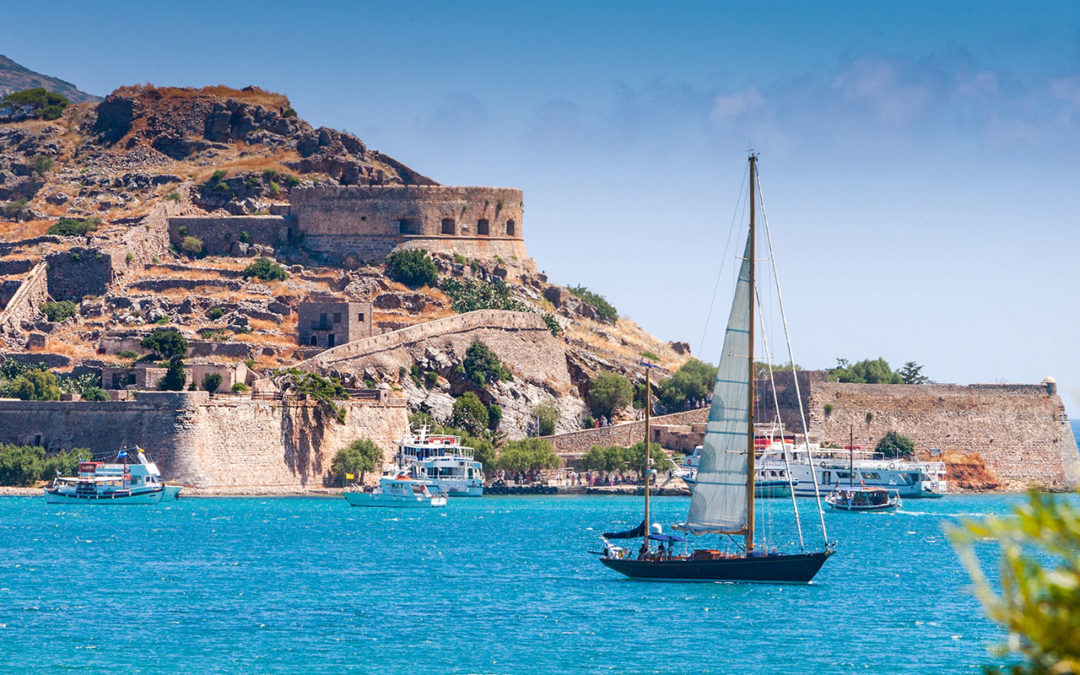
(166, 343)
(266, 270)
(482, 366)
(36, 103)
(894, 445)
(23, 465)
(608, 393)
(193, 246)
(35, 385)
(693, 380)
(470, 414)
(412, 267)
(211, 382)
(75, 227)
(867, 371)
(546, 416)
(604, 309)
(470, 295)
(58, 311)
(175, 377)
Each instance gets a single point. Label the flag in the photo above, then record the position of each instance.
(123, 453)
(349, 476)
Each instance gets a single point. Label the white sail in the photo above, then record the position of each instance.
(719, 500)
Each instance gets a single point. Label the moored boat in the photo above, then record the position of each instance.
(723, 498)
(119, 483)
(441, 462)
(863, 499)
(399, 492)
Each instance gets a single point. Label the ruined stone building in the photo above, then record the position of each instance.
(328, 323)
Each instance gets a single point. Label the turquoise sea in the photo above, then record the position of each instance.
(492, 585)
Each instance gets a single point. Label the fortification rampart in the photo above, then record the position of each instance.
(1020, 430)
(576, 443)
(23, 305)
(230, 235)
(230, 442)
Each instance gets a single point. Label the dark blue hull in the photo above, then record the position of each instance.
(796, 568)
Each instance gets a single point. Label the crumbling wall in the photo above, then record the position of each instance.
(226, 235)
(23, 306)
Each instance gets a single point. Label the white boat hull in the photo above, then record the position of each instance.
(831, 473)
(395, 501)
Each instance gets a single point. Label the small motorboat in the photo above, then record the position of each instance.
(863, 499)
(399, 492)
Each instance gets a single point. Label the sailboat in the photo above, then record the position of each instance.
(723, 498)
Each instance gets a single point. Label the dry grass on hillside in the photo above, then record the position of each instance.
(273, 161)
(13, 231)
(254, 95)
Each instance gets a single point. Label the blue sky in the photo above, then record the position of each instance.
(918, 159)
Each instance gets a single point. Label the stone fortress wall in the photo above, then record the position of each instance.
(353, 225)
(223, 442)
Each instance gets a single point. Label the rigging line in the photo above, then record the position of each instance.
(783, 446)
(794, 372)
(723, 259)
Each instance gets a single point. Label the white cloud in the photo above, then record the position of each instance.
(726, 107)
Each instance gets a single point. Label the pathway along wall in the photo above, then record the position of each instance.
(225, 442)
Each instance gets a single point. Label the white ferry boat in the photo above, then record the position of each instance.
(442, 463)
(912, 479)
(101, 483)
(398, 492)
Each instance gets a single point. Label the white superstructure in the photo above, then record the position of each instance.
(441, 462)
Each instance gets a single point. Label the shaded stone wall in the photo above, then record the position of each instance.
(1020, 430)
(577, 443)
(220, 235)
(221, 442)
(22, 307)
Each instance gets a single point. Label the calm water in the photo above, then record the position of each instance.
(499, 584)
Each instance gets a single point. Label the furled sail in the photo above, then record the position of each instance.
(719, 500)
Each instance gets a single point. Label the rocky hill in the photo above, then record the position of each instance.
(15, 77)
(85, 200)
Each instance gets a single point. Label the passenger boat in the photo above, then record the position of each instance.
(121, 483)
(398, 492)
(863, 499)
(722, 504)
(771, 482)
(441, 462)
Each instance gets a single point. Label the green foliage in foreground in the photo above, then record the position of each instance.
(359, 457)
(23, 465)
(74, 227)
(266, 270)
(529, 454)
(58, 311)
(412, 267)
(603, 308)
(620, 459)
(469, 295)
(36, 103)
(893, 445)
(609, 392)
(693, 380)
(1039, 598)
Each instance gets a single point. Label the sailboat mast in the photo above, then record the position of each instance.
(648, 404)
(851, 456)
(750, 375)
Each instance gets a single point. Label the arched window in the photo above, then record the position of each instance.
(448, 226)
(483, 227)
(409, 225)
(314, 340)
(511, 228)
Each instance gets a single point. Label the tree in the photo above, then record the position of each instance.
(608, 393)
(911, 373)
(470, 413)
(94, 394)
(693, 380)
(893, 445)
(265, 270)
(36, 103)
(412, 267)
(547, 416)
(529, 454)
(867, 371)
(211, 382)
(174, 377)
(635, 457)
(483, 366)
(58, 311)
(359, 457)
(1038, 603)
(605, 458)
(166, 343)
(36, 385)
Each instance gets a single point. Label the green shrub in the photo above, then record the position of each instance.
(265, 270)
(211, 382)
(291, 181)
(245, 238)
(546, 416)
(60, 310)
(182, 230)
(218, 175)
(289, 112)
(469, 295)
(470, 413)
(128, 354)
(162, 321)
(75, 227)
(494, 416)
(324, 390)
(431, 378)
(867, 371)
(894, 445)
(21, 466)
(166, 343)
(275, 189)
(604, 309)
(608, 393)
(412, 267)
(221, 187)
(650, 355)
(34, 385)
(359, 457)
(36, 103)
(215, 313)
(14, 209)
(94, 394)
(191, 245)
(414, 374)
(173, 196)
(129, 257)
(239, 388)
(552, 323)
(618, 458)
(42, 164)
(459, 259)
(829, 409)
(482, 366)
(174, 377)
